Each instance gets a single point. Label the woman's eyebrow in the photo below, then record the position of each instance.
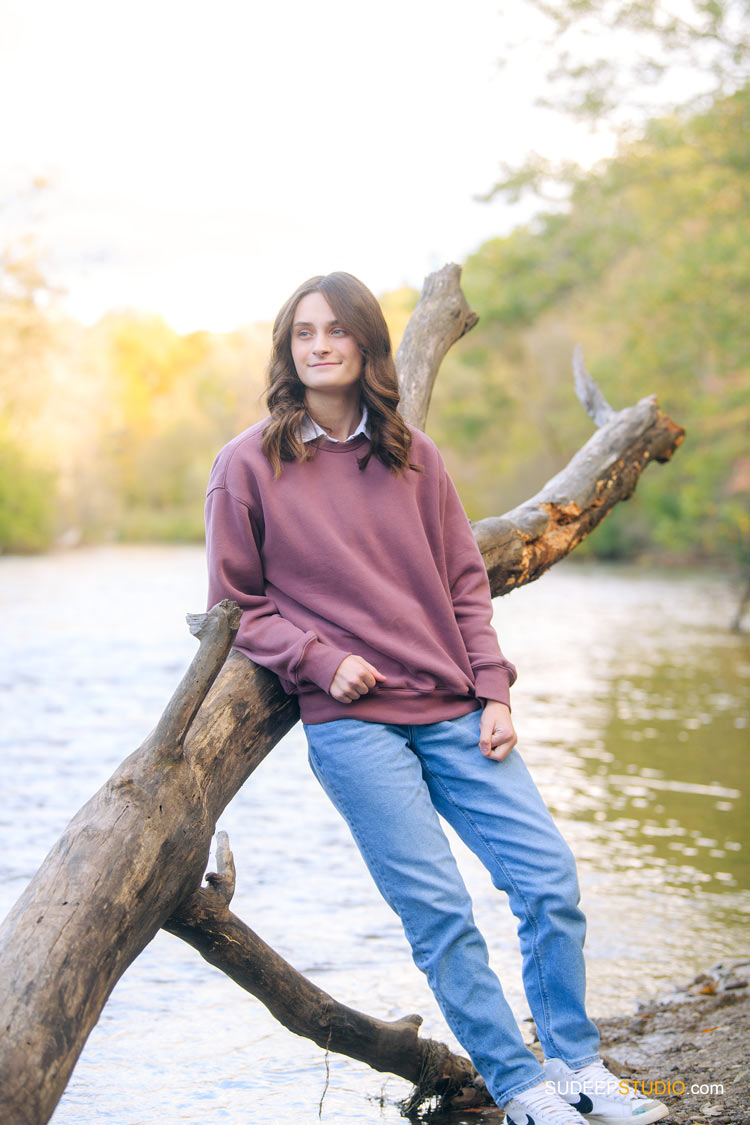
(309, 324)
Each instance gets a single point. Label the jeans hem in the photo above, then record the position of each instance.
(521, 1088)
(578, 1063)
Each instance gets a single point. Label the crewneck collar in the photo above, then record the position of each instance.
(310, 430)
(328, 445)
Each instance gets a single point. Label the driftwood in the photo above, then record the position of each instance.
(132, 859)
(440, 319)
(205, 921)
(519, 546)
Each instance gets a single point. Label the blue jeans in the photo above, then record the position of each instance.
(389, 782)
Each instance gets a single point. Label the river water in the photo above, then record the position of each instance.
(631, 706)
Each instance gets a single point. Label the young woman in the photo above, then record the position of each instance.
(337, 529)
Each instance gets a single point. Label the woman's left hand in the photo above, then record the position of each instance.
(497, 736)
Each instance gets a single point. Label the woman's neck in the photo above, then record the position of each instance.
(338, 415)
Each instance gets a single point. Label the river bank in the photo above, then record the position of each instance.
(689, 1047)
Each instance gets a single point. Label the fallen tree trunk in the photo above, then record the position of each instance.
(136, 851)
(130, 855)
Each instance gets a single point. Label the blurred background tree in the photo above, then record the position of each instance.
(644, 259)
(27, 350)
(108, 431)
(618, 64)
(649, 267)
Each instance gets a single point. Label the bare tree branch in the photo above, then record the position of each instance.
(441, 317)
(519, 546)
(591, 398)
(205, 922)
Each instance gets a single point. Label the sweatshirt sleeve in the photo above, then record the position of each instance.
(235, 571)
(472, 600)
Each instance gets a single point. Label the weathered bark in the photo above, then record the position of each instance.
(124, 863)
(441, 317)
(137, 849)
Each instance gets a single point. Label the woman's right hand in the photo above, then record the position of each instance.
(354, 677)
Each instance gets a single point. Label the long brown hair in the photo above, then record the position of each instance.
(356, 310)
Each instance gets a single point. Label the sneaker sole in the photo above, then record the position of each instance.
(656, 1113)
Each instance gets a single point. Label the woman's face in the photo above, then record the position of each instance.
(326, 357)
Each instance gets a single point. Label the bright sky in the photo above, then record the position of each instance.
(207, 157)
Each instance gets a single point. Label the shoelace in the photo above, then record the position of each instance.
(545, 1099)
(605, 1083)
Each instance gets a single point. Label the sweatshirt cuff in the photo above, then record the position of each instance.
(492, 682)
(318, 664)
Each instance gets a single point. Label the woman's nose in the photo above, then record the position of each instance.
(320, 346)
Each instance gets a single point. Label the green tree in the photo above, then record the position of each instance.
(649, 267)
(617, 64)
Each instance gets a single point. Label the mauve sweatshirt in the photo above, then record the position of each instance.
(329, 560)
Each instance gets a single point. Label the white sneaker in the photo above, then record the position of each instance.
(601, 1097)
(541, 1105)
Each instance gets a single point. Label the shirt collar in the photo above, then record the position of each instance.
(310, 430)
